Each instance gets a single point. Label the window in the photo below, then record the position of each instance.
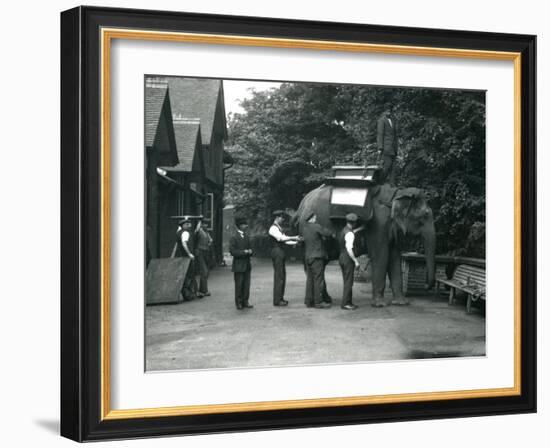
(208, 211)
(180, 203)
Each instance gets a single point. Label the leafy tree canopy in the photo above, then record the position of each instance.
(286, 141)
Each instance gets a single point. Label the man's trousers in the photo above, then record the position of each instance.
(202, 266)
(279, 274)
(315, 281)
(348, 270)
(387, 175)
(242, 287)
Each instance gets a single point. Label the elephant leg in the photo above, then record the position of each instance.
(378, 252)
(396, 277)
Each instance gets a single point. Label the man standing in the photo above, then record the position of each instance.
(278, 256)
(204, 241)
(387, 143)
(315, 261)
(239, 248)
(348, 261)
(184, 248)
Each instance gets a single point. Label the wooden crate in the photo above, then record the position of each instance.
(413, 266)
(164, 279)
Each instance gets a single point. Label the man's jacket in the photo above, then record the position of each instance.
(313, 235)
(237, 245)
(387, 136)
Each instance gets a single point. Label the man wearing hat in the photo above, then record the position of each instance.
(278, 256)
(204, 241)
(315, 260)
(184, 248)
(239, 248)
(387, 143)
(348, 261)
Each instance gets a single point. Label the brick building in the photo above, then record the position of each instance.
(160, 150)
(194, 181)
(203, 100)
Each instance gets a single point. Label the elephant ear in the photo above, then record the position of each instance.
(411, 192)
(384, 194)
(409, 210)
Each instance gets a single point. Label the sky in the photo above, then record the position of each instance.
(236, 91)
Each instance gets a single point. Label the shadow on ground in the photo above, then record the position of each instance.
(51, 426)
(211, 333)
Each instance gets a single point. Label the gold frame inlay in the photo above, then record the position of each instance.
(107, 35)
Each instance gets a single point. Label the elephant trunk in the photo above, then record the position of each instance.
(428, 233)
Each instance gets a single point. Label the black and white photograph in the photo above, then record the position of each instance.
(298, 223)
(275, 224)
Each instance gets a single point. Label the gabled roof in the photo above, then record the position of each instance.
(188, 144)
(155, 95)
(195, 98)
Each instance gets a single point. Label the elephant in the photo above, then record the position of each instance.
(395, 214)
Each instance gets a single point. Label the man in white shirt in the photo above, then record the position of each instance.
(348, 260)
(280, 239)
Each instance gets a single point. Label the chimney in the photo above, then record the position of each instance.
(179, 118)
(156, 82)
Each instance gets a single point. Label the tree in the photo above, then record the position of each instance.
(288, 138)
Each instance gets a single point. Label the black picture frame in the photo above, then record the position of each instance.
(81, 209)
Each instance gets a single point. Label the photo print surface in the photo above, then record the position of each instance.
(293, 223)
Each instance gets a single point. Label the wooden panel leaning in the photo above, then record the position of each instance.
(470, 279)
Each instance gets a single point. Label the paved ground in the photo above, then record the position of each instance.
(211, 333)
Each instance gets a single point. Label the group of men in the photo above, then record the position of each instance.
(313, 237)
(315, 260)
(195, 244)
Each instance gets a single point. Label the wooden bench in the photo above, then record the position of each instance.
(470, 279)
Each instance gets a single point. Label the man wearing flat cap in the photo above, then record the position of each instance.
(184, 248)
(279, 239)
(348, 260)
(203, 244)
(315, 258)
(240, 249)
(386, 140)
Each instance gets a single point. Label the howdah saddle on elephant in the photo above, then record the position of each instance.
(389, 214)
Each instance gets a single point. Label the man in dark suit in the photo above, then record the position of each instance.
(203, 243)
(279, 241)
(387, 143)
(239, 248)
(315, 261)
